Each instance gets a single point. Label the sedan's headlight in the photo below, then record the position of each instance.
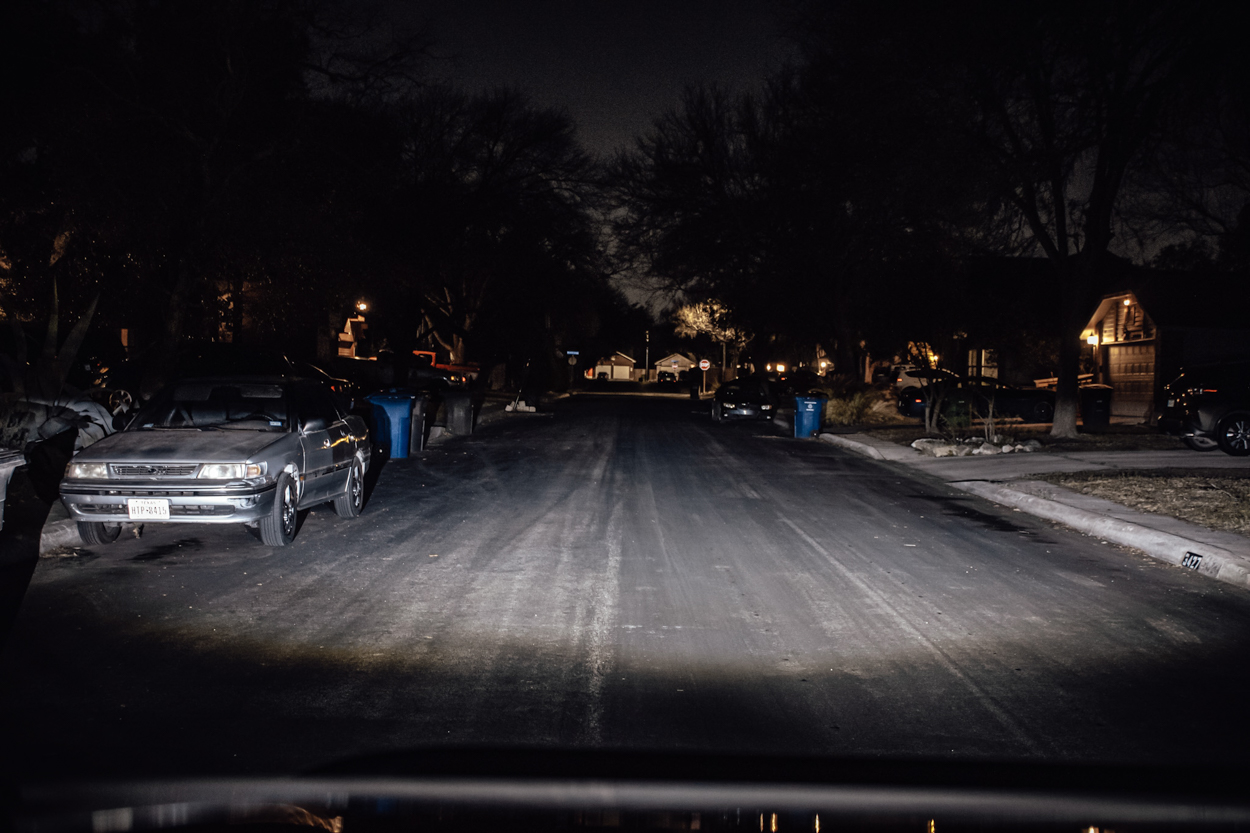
(230, 471)
(88, 471)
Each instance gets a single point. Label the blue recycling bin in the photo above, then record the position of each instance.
(392, 418)
(808, 411)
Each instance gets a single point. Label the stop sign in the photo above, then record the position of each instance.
(704, 364)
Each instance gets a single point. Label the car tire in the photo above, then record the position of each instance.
(277, 529)
(1233, 435)
(1200, 443)
(94, 532)
(1041, 412)
(349, 504)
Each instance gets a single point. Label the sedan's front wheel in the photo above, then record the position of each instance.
(277, 529)
(1233, 435)
(349, 504)
(92, 532)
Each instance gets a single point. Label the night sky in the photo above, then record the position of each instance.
(613, 64)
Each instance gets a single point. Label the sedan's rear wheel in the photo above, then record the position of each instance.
(1200, 443)
(93, 532)
(277, 529)
(349, 504)
(1233, 435)
(1041, 412)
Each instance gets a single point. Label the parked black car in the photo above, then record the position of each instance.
(980, 392)
(747, 398)
(1209, 407)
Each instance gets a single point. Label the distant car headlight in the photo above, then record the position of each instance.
(230, 471)
(88, 471)
(766, 407)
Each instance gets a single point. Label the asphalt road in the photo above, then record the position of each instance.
(623, 573)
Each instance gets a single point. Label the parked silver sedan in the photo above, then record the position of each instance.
(250, 450)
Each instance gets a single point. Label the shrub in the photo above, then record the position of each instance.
(849, 410)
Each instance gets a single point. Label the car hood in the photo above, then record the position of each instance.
(180, 445)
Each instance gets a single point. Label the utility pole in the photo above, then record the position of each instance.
(646, 362)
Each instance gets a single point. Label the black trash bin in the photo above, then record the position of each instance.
(1095, 407)
(417, 428)
(459, 404)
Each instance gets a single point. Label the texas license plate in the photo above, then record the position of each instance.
(148, 509)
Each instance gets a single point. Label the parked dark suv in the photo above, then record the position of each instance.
(1209, 407)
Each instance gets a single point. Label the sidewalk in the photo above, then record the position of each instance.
(1007, 479)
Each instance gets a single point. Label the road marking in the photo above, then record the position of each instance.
(987, 702)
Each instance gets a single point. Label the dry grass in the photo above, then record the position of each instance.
(1216, 500)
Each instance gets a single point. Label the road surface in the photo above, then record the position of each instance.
(623, 573)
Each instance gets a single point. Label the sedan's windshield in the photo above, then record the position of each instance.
(243, 405)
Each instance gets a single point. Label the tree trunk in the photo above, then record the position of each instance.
(1067, 392)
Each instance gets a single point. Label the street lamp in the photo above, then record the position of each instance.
(361, 306)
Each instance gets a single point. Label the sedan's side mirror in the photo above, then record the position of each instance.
(313, 424)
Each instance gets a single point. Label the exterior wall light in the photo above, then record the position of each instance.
(1092, 340)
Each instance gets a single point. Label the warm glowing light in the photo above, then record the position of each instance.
(781, 368)
(1127, 302)
(774, 827)
(767, 367)
(818, 823)
(823, 365)
(932, 826)
(1092, 340)
(362, 306)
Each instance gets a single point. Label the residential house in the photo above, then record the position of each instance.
(675, 363)
(1141, 338)
(617, 366)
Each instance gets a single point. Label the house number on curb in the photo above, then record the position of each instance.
(1191, 560)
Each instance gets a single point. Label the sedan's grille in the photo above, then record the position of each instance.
(154, 471)
(174, 511)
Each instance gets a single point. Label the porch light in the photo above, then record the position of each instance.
(781, 368)
(1092, 340)
(1127, 302)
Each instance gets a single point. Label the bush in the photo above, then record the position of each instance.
(850, 410)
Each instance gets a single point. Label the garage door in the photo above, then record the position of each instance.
(1132, 372)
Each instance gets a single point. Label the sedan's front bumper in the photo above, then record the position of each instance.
(107, 502)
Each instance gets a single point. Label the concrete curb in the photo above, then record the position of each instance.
(877, 451)
(1206, 558)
